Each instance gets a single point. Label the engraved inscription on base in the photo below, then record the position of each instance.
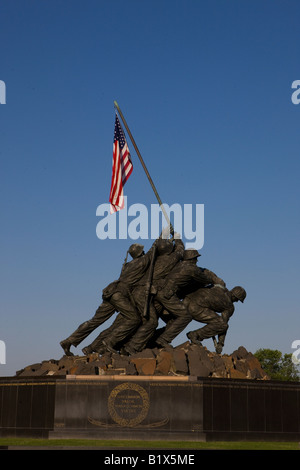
(128, 404)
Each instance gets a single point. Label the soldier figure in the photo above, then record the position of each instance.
(179, 288)
(168, 255)
(186, 275)
(116, 298)
(203, 305)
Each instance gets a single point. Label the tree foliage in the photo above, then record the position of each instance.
(277, 365)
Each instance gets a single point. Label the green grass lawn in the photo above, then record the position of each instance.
(133, 444)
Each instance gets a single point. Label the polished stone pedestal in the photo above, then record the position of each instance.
(27, 406)
(149, 408)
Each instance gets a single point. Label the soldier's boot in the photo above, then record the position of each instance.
(127, 350)
(193, 337)
(65, 344)
(109, 347)
(162, 343)
(87, 350)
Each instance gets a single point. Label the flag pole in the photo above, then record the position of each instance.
(144, 167)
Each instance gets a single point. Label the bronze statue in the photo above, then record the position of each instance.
(116, 298)
(168, 255)
(163, 283)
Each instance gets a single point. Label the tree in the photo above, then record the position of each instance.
(277, 365)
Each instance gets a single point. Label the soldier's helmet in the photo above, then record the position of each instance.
(136, 250)
(190, 254)
(164, 246)
(239, 293)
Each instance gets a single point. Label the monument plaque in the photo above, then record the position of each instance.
(128, 404)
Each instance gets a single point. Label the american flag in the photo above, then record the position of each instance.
(121, 168)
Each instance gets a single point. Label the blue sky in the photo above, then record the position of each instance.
(206, 90)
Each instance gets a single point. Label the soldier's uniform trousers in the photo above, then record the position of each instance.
(216, 325)
(182, 317)
(130, 319)
(118, 302)
(103, 313)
